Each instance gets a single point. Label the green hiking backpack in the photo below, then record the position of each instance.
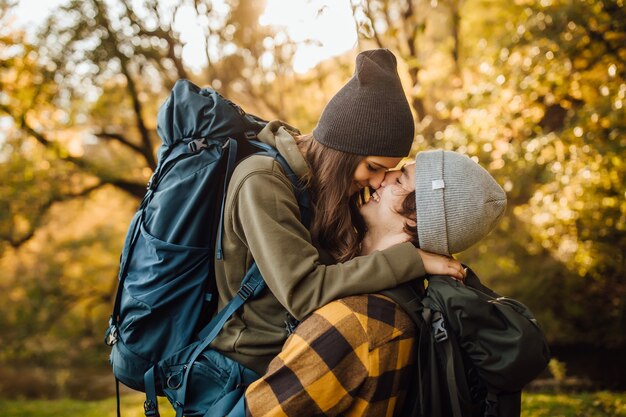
(476, 350)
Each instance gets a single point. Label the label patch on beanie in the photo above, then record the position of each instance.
(438, 184)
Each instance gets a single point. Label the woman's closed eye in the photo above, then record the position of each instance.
(372, 168)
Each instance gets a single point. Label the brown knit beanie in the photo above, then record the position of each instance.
(369, 115)
(457, 201)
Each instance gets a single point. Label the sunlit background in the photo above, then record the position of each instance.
(323, 28)
(533, 90)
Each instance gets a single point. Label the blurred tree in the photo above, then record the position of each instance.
(539, 100)
(398, 26)
(88, 89)
(568, 63)
(78, 111)
(56, 289)
(552, 127)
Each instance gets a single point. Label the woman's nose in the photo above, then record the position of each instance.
(377, 179)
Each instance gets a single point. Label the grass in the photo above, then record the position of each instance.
(589, 404)
(132, 406)
(592, 404)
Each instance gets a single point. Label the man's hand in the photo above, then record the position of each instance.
(436, 264)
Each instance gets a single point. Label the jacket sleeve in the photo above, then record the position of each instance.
(267, 218)
(318, 372)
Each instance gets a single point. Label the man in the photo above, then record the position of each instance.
(354, 356)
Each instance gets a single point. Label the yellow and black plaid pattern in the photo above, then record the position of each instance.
(351, 357)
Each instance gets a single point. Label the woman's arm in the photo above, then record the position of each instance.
(266, 217)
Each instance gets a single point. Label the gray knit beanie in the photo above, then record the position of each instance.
(369, 115)
(457, 201)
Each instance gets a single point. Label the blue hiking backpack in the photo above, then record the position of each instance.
(161, 323)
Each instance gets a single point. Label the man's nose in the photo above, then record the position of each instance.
(389, 178)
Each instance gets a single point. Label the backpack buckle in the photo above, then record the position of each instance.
(245, 292)
(290, 324)
(110, 338)
(439, 330)
(150, 409)
(197, 144)
(151, 183)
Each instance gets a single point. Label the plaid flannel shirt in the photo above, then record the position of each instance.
(351, 357)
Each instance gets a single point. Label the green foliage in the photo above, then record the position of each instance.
(542, 107)
(57, 289)
(32, 183)
(597, 404)
(558, 369)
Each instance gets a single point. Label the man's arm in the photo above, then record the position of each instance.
(353, 356)
(319, 369)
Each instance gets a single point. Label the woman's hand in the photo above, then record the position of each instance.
(436, 264)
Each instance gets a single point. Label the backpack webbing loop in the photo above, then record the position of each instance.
(151, 405)
(117, 397)
(230, 166)
(491, 405)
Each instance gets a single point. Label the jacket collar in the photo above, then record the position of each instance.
(280, 135)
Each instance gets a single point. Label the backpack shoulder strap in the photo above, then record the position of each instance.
(299, 190)
(443, 343)
(409, 297)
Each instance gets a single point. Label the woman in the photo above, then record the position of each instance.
(365, 130)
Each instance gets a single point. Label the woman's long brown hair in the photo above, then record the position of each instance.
(336, 224)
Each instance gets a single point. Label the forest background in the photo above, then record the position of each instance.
(534, 90)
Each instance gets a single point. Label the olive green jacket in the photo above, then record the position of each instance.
(262, 222)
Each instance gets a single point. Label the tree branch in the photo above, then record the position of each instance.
(135, 189)
(17, 242)
(207, 38)
(126, 142)
(172, 41)
(356, 25)
(39, 137)
(276, 110)
(130, 82)
(369, 16)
